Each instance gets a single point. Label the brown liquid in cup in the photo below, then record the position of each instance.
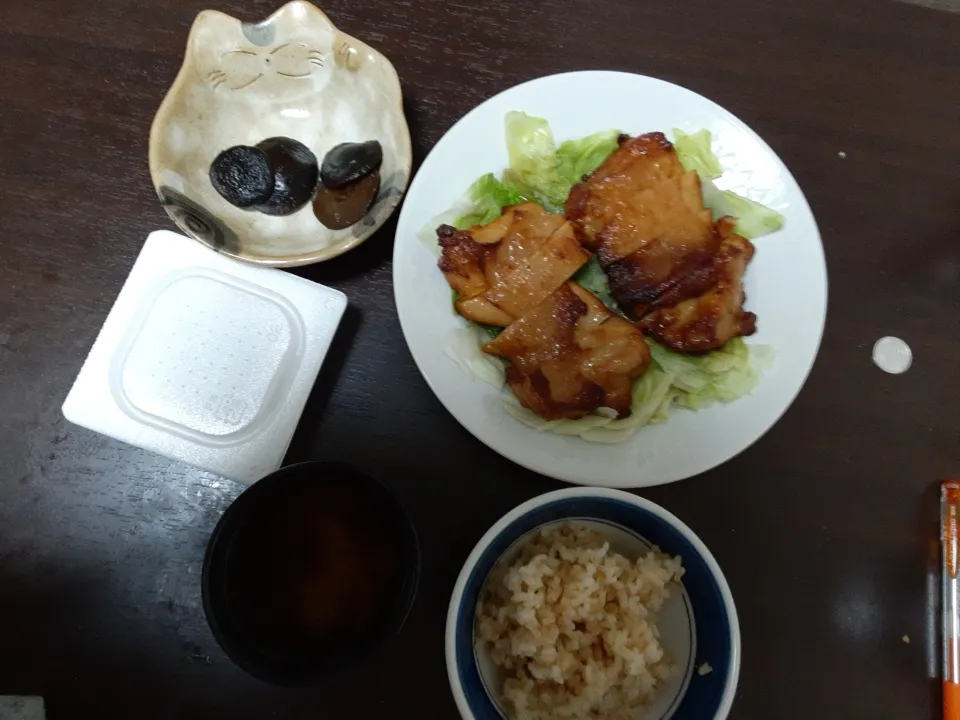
(317, 570)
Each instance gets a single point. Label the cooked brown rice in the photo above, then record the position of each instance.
(571, 623)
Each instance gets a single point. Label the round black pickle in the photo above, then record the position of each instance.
(242, 175)
(348, 162)
(294, 175)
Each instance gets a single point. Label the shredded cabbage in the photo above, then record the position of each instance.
(720, 375)
(464, 348)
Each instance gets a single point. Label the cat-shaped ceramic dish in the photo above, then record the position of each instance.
(292, 75)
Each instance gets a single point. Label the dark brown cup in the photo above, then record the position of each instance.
(309, 570)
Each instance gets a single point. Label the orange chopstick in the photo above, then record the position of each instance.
(951, 700)
(949, 520)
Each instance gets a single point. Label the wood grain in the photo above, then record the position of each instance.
(825, 528)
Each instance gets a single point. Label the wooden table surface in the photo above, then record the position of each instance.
(826, 528)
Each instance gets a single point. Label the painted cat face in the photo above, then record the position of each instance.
(290, 51)
(239, 69)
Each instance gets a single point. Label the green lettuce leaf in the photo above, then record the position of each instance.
(576, 158)
(485, 200)
(753, 218)
(534, 168)
(720, 375)
(592, 277)
(695, 153)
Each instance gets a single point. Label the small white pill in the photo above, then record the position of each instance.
(892, 355)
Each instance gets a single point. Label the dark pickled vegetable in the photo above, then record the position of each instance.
(338, 208)
(348, 162)
(294, 175)
(242, 175)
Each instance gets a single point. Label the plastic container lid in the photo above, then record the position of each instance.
(205, 359)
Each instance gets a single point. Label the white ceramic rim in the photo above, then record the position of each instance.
(733, 676)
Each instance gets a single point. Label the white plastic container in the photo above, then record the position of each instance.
(205, 359)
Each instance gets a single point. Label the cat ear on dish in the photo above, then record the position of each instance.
(347, 56)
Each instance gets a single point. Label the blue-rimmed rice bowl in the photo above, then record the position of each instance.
(698, 625)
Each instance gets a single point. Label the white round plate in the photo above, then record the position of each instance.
(786, 282)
